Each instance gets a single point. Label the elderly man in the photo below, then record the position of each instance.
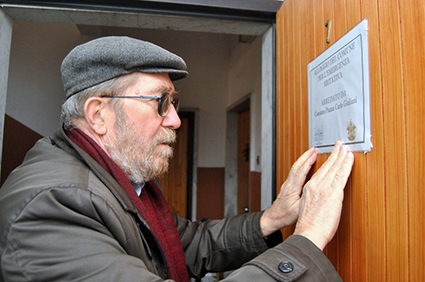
(84, 205)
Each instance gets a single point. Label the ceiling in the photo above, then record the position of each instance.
(241, 17)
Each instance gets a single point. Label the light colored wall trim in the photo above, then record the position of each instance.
(6, 26)
(231, 175)
(267, 116)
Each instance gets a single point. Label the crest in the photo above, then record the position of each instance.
(351, 131)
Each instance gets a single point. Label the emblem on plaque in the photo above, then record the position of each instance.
(351, 131)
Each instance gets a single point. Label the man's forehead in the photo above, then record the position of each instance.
(155, 84)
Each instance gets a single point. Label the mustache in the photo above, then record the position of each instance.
(167, 136)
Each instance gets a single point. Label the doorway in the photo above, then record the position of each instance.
(243, 152)
(178, 182)
(95, 21)
(238, 158)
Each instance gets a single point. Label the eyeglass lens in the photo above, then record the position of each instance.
(165, 102)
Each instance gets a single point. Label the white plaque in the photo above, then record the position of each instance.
(338, 94)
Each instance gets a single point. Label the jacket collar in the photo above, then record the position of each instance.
(63, 141)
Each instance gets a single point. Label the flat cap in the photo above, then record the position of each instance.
(105, 58)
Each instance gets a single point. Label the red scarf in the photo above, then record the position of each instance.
(151, 205)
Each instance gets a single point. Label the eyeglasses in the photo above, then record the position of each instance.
(164, 103)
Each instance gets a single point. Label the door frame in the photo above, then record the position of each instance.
(249, 20)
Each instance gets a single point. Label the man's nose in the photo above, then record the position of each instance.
(171, 119)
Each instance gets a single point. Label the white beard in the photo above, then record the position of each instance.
(140, 160)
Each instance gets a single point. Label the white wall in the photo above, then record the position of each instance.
(221, 70)
(35, 90)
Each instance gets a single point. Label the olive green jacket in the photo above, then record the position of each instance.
(64, 218)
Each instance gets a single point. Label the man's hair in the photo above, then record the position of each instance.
(73, 107)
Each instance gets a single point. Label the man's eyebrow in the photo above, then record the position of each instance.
(166, 89)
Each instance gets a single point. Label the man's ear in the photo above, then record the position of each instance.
(94, 108)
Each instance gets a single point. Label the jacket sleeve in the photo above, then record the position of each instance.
(296, 259)
(222, 245)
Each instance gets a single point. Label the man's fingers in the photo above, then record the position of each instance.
(344, 171)
(301, 167)
(331, 165)
(304, 159)
(336, 175)
(335, 168)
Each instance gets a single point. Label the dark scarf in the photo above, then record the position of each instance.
(151, 205)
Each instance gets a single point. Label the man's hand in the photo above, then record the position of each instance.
(321, 203)
(285, 208)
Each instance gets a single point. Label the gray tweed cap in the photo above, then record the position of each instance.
(105, 58)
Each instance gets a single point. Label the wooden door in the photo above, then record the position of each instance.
(17, 140)
(243, 203)
(176, 184)
(382, 229)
